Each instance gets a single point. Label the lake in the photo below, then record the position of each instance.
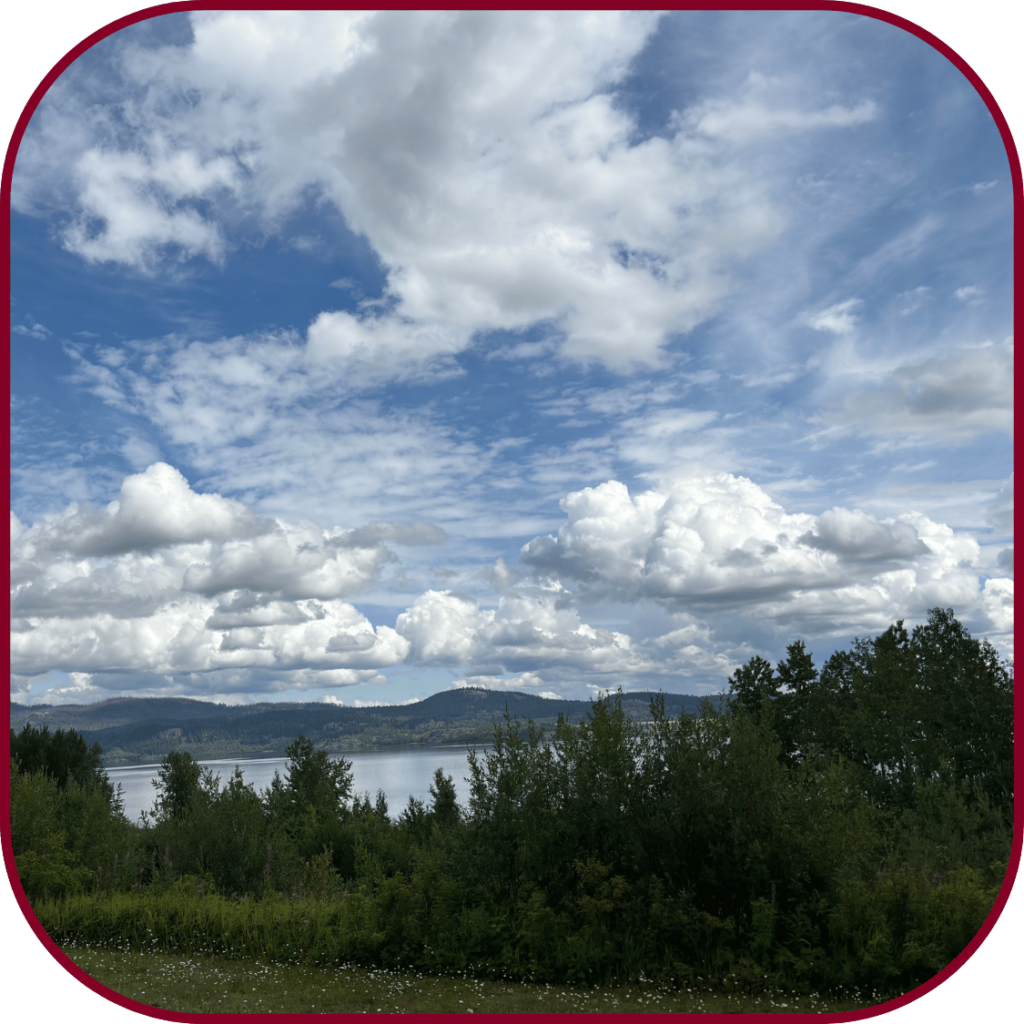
(401, 773)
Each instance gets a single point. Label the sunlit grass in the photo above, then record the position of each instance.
(209, 984)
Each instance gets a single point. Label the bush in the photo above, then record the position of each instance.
(50, 871)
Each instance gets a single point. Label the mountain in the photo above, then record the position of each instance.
(136, 729)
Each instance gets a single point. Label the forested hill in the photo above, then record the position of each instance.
(132, 730)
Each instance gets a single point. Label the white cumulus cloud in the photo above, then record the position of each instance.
(720, 542)
(168, 581)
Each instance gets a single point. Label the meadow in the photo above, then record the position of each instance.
(208, 984)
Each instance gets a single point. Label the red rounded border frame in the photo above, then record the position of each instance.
(986, 46)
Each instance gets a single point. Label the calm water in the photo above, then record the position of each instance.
(400, 773)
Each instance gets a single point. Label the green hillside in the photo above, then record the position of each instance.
(133, 730)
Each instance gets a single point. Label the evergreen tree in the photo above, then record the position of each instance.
(443, 807)
(63, 756)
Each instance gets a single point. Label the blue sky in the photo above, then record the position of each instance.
(359, 356)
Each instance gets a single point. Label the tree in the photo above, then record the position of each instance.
(909, 707)
(830, 702)
(597, 772)
(308, 806)
(238, 855)
(512, 817)
(797, 675)
(414, 818)
(314, 780)
(966, 697)
(886, 722)
(179, 780)
(62, 756)
(753, 685)
(443, 807)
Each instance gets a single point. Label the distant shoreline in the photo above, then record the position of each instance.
(259, 756)
(143, 730)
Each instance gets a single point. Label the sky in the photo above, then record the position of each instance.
(358, 356)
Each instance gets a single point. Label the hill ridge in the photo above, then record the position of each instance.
(134, 729)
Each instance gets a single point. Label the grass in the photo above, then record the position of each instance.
(208, 984)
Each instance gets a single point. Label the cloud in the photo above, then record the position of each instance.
(500, 576)
(1005, 562)
(482, 155)
(231, 686)
(756, 114)
(914, 299)
(139, 453)
(859, 536)
(259, 419)
(368, 348)
(131, 206)
(155, 509)
(997, 603)
(898, 252)
(175, 640)
(952, 397)
(441, 626)
(414, 534)
(536, 639)
(292, 561)
(720, 542)
(1000, 511)
(33, 330)
(533, 633)
(838, 319)
(971, 294)
(167, 581)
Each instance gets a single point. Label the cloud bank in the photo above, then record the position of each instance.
(166, 586)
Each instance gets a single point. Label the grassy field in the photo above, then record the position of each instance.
(198, 984)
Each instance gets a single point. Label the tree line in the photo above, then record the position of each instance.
(814, 829)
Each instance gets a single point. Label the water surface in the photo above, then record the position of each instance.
(399, 772)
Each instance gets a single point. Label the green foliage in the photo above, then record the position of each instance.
(315, 780)
(315, 787)
(70, 832)
(797, 677)
(903, 707)
(931, 704)
(63, 756)
(238, 850)
(444, 808)
(511, 813)
(179, 784)
(905, 926)
(35, 809)
(753, 685)
(307, 811)
(51, 870)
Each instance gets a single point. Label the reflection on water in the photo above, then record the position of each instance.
(400, 773)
